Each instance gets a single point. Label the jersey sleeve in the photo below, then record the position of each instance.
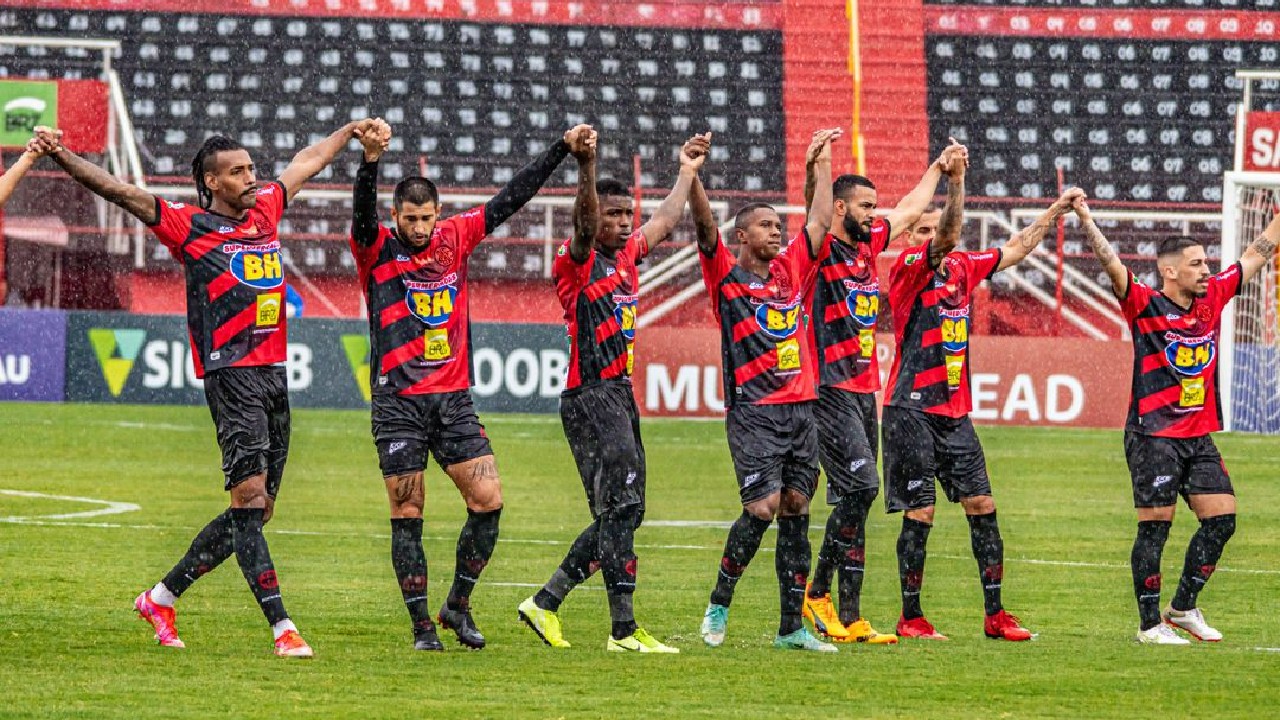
(881, 234)
(1135, 299)
(367, 255)
(173, 225)
(638, 246)
(715, 268)
(1224, 286)
(470, 228)
(803, 263)
(980, 266)
(569, 275)
(272, 199)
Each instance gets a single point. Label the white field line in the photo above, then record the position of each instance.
(112, 507)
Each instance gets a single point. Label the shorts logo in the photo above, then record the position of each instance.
(853, 466)
(779, 322)
(1190, 356)
(631, 477)
(396, 447)
(915, 485)
(356, 348)
(116, 350)
(1161, 480)
(751, 479)
(258, 269)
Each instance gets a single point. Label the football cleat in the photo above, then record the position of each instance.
(291, 644)
(918, 628)
(860, 631)
(822, 613)
(425, 637)
(463, 625)
(714, 622)
(642, 642)
(543, 622)
(1161, 634)
(802, 639)
(1192, 622)
(1004, 626)
(162, 620)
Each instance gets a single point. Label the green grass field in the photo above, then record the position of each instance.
(70, 644)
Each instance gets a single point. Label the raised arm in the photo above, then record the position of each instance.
(527, 182)
(704, 220)
(1025, 240)
(818, 172)
(364, 203)
(1102, 249)
(131, 198)
(1261, 250)
(14, 174)
(312, 159)
(952, 219)
(692, 155)
(586, 205)
(913, 204)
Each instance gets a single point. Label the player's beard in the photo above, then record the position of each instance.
(855, 231)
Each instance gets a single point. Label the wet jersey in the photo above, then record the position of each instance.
(599, 297)
(844, 306)
(931, 322)
(418, 324)
(765, 353)
(1175, 358)
(235, 280)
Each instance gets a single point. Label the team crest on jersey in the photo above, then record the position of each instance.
(258, 266)
(863, 300)
(1190, 356)
(778, 321)
(444, 255)
(432, 302)
(624, 311)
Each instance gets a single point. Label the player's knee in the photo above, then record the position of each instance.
(924, 515)
(406, 509)
(978, 505)
(270, 510)
(250, 493)
(484, 496)
(1222, 526)
(765, 508)
(793, 503)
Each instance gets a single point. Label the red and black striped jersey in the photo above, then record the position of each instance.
(235, 280)
(844, 306)
(600, 298)
(931, 322)
(766, 356)
(417, 297)
(1175, 358)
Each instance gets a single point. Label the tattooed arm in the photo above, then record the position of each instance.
(1026, 239)
(1260, 252)
(1106, 254)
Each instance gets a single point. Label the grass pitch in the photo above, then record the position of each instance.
(71, 646)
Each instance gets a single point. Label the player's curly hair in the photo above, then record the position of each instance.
(204, 163)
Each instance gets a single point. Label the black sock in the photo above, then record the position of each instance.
(618, 565)
(911, 556)
(255, 561)
(739, 548)
(579, 563)
(410, 564)
(853, 558)
(208, 550)
(792, 564)
(1202, 558)
(1145, 564)
(475, 546)
(988, 550)
(828, 556)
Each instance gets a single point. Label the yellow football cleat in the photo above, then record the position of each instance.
(822, 613)
(642, 642)
(860, 631)
(543, 622)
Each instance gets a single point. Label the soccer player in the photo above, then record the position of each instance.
(769, 380)
(843, 308)
(229, 250)
(1173, 408)
(414, 279)
(598, 285)
(927, 430)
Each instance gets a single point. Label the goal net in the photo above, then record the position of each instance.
(1250, 361)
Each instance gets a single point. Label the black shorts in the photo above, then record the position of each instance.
(406, 427)
(920, 447)
(1163, 468)
(250, 409)
(848, 437)
(773, 447)
(602, 425)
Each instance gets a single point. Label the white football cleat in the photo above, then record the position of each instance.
(1161, 634)
(1192, 622)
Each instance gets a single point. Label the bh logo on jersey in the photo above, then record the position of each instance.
(624, 311)
(432, 302)
(778, 321)
(257, 267)
(1189, 356)
(864, 302)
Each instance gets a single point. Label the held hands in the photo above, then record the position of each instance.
(694, 152)
(820, 148)
(1080, 206)
(1067, 202)
(374, 135)
(954, 159)
(46, 141)
(581, 140)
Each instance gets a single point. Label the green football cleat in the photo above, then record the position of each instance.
(642, 642)
(714, 622)
(802, 639)
(543, 622)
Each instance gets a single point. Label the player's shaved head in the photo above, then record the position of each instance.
(417, 190)
(1171, 249)
(843, 186)
(743, 219)
(607, 187)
